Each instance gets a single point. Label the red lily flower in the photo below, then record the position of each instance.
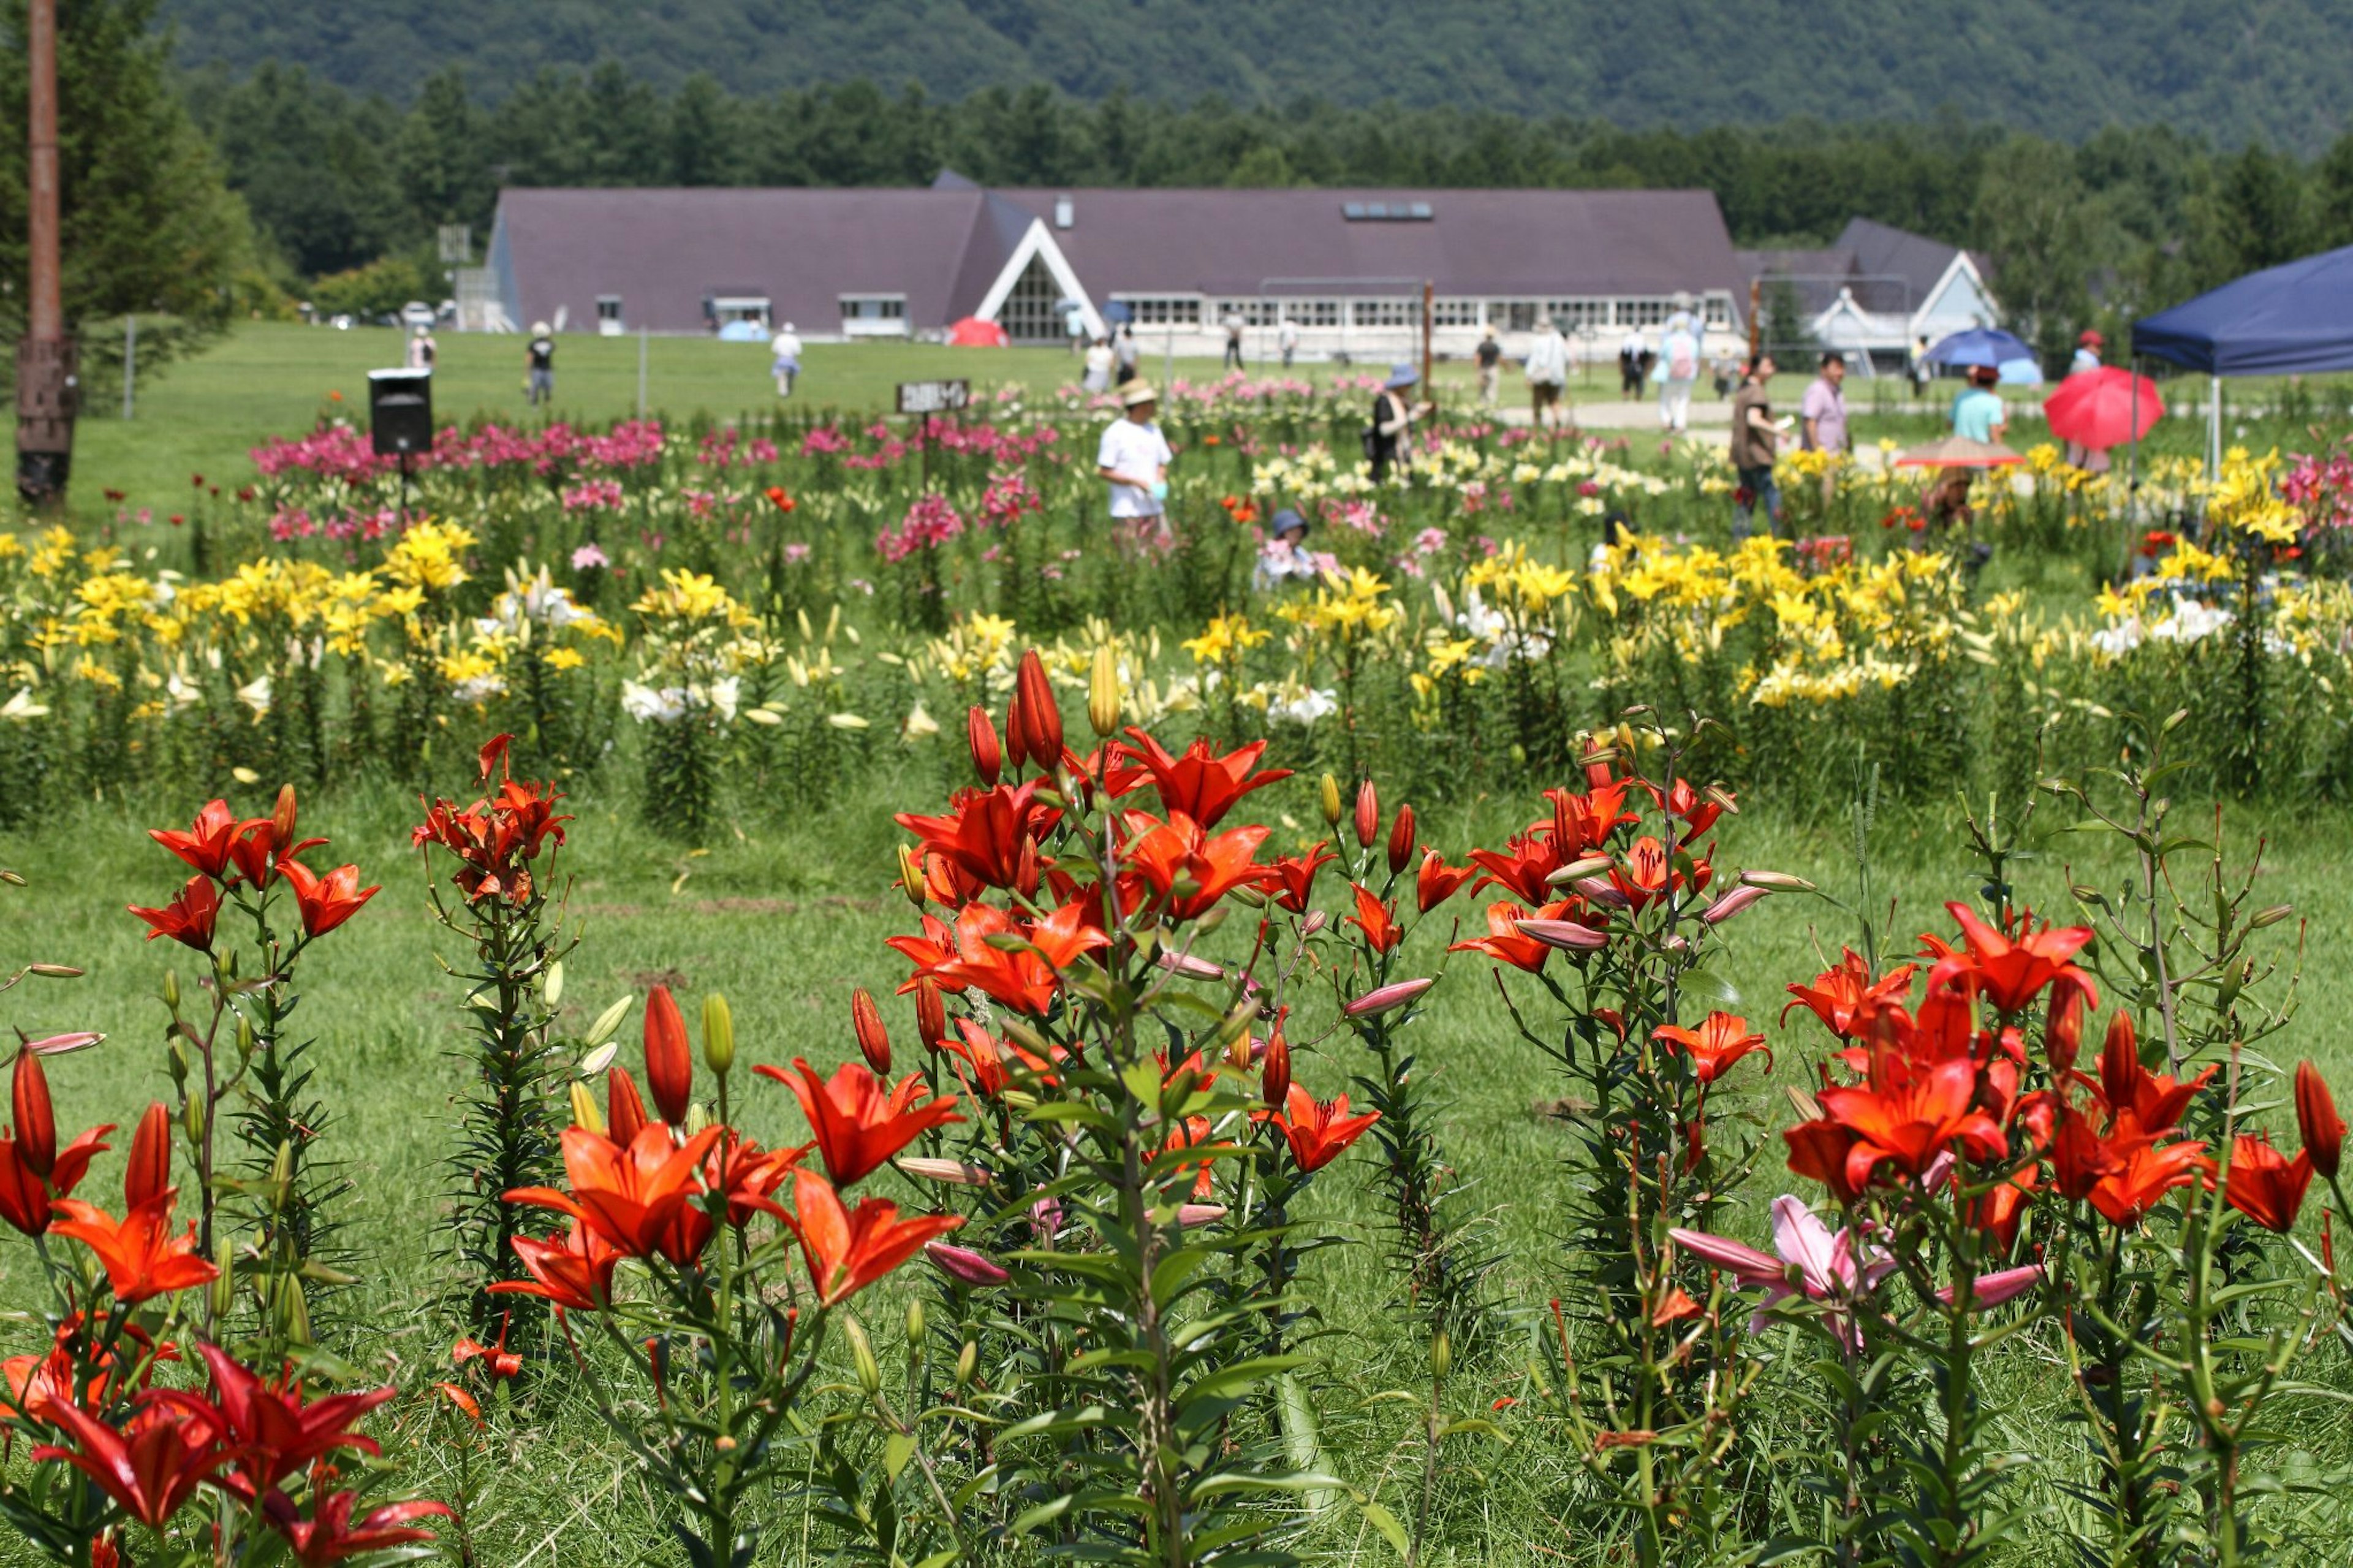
(2154, 1100)
(859, 1123)
(1847, 999)
(1376, 919)
(495, 837)
(188, 918)
(1504, 941)
(1909, 1126)
(325, 901)
(2011, 969)
(1163, 855)
(147, 1174)
(750, 1174)
(866, 1024)
(329, 1536)
(206, 845)
(260, 856)
(1522, 868)
(848, 1250)
(1649, 872)
(1581, 823)
(1199, 784)
(2264, 1184)
(669, 1063)
(1819, 1149)
(1191, 1133)
(33, 1171)
(152, 1467)
(573, 1271)
(1025, 980)
(276, 1430)
(991, 835)
(1437, 881)
(996, 1064)
(1997, 1212)
(639, 1195)
(928, 952)
(1721, 1039)
(1041, 712)
(497, 1360)
(1295, 876)
(1318, 1134)
(1697, 811)
(2143, 1173)
(142, 1257)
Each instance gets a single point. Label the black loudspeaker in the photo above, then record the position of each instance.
(400, 412)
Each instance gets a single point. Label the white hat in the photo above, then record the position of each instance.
(539, 328)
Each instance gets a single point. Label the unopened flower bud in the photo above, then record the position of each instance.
(584, 1113)
(968, 1362)
(281, 820)
(2316, 1120)
(910, 876)
(988, 760)
(965, 1265)
(1368, 814)
(1776, 882)
(931, 1015)
(1441, 1353)
(718, 1034)
(1102, 692)
(865, 1021)
(1401, 841)
(223, 1296)
(861, 1356)
(1041, 712)
(914, 1323)
(1329, 798)
(172, 989)
(1388, 997)
(1016, 742)
(1274, 1079)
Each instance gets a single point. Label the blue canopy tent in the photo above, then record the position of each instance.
(2284, 321)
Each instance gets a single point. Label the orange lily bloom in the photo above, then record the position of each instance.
(329, 1535)
(859, 1123)
(33, 1171)
(1721, 1039)
(188, 918)
(848, 1250)
(1910, 1125)
(1522, 867)
(1504, 944)
(1025, 980)
(1164, 854)
(987, 831)
(2154, 1100)
(1376, 919)
(1200, 784)
(2264, 1184)
(571, 1272)
(1437, 881)
(640, 1195)
(152, 1467)
(2143, 1173)
(277, 1431)
(326, 901)
(206, 845)
(2012, 968)
(142, 1257)
(1318, 1133)
(1294, 876)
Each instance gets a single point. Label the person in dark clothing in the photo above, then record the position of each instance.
(539, 365)
(1394, 412)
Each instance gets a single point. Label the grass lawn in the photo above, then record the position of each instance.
(783, 918)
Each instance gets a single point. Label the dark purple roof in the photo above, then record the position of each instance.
(663, 251)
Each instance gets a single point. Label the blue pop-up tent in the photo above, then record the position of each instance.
(2284, 321)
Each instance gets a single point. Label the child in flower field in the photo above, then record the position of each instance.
(1285, 557)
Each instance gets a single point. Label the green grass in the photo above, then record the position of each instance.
(783, 918)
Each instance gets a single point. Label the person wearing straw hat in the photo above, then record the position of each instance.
(1134, 458)
(1394, 413)
(539, 365)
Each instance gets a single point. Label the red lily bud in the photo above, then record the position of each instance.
(669, 1065)
(2063, 1030)
(1401, 840)
(866, 1019)
(1274, 1073)
(281, 821)
(1016, 740)
(1041, 712)
(2316, 1120)
(1025, 868)
(625, 1114)
(981, 736)
(37, 1122)
(1368, 814)
(149, 1170)
(931, 1016)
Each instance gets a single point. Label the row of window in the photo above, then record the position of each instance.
(1505, 315)
(854, 308)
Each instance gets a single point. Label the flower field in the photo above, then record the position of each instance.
(788, 992)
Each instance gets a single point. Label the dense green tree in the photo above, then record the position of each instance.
(441, 154)
(2040, 223)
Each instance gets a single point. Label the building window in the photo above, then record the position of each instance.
(873, 307)
(1385, 313)
(1163, 309)
(1642, 312)
(1306, 312)
(1255, 313)
(1028, 313)
(1515, 315)
(1715, 312)
(1458, 312)
(1387, 212)
(608, 307)
(1574, 315)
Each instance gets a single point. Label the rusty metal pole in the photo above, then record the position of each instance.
(1755, 315)
(46, 385)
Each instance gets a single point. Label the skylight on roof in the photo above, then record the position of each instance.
(1387, 212)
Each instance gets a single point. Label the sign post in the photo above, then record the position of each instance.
(928, 398)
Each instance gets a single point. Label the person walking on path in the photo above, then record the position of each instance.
(1124, 355)
(785, 359)
(1978, 414)
(1074, 326)
(1546, 368)
(1680, 360)
(1633, 363)
(1233, 323)
(1098, 376)
(422, 349)
(1490, 357)
(1755, 438)
(1393, 415)
(539, 365)
(1132, 458)
(1286, 338)
(1823, 414)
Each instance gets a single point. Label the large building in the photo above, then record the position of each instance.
(1346, 267)
(1877, 290)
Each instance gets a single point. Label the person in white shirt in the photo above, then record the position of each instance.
(2087, 353)
(1098, 378)
(785, 358)
(1286, 338)
(1546, 368)
(1134, 459)
(1680, 363)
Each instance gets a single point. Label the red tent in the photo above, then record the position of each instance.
(972, 332)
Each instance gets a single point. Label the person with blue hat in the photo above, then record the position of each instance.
(1393, 415)
(1284, 555)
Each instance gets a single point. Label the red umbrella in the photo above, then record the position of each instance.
(972, 332)
(2103, 408)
